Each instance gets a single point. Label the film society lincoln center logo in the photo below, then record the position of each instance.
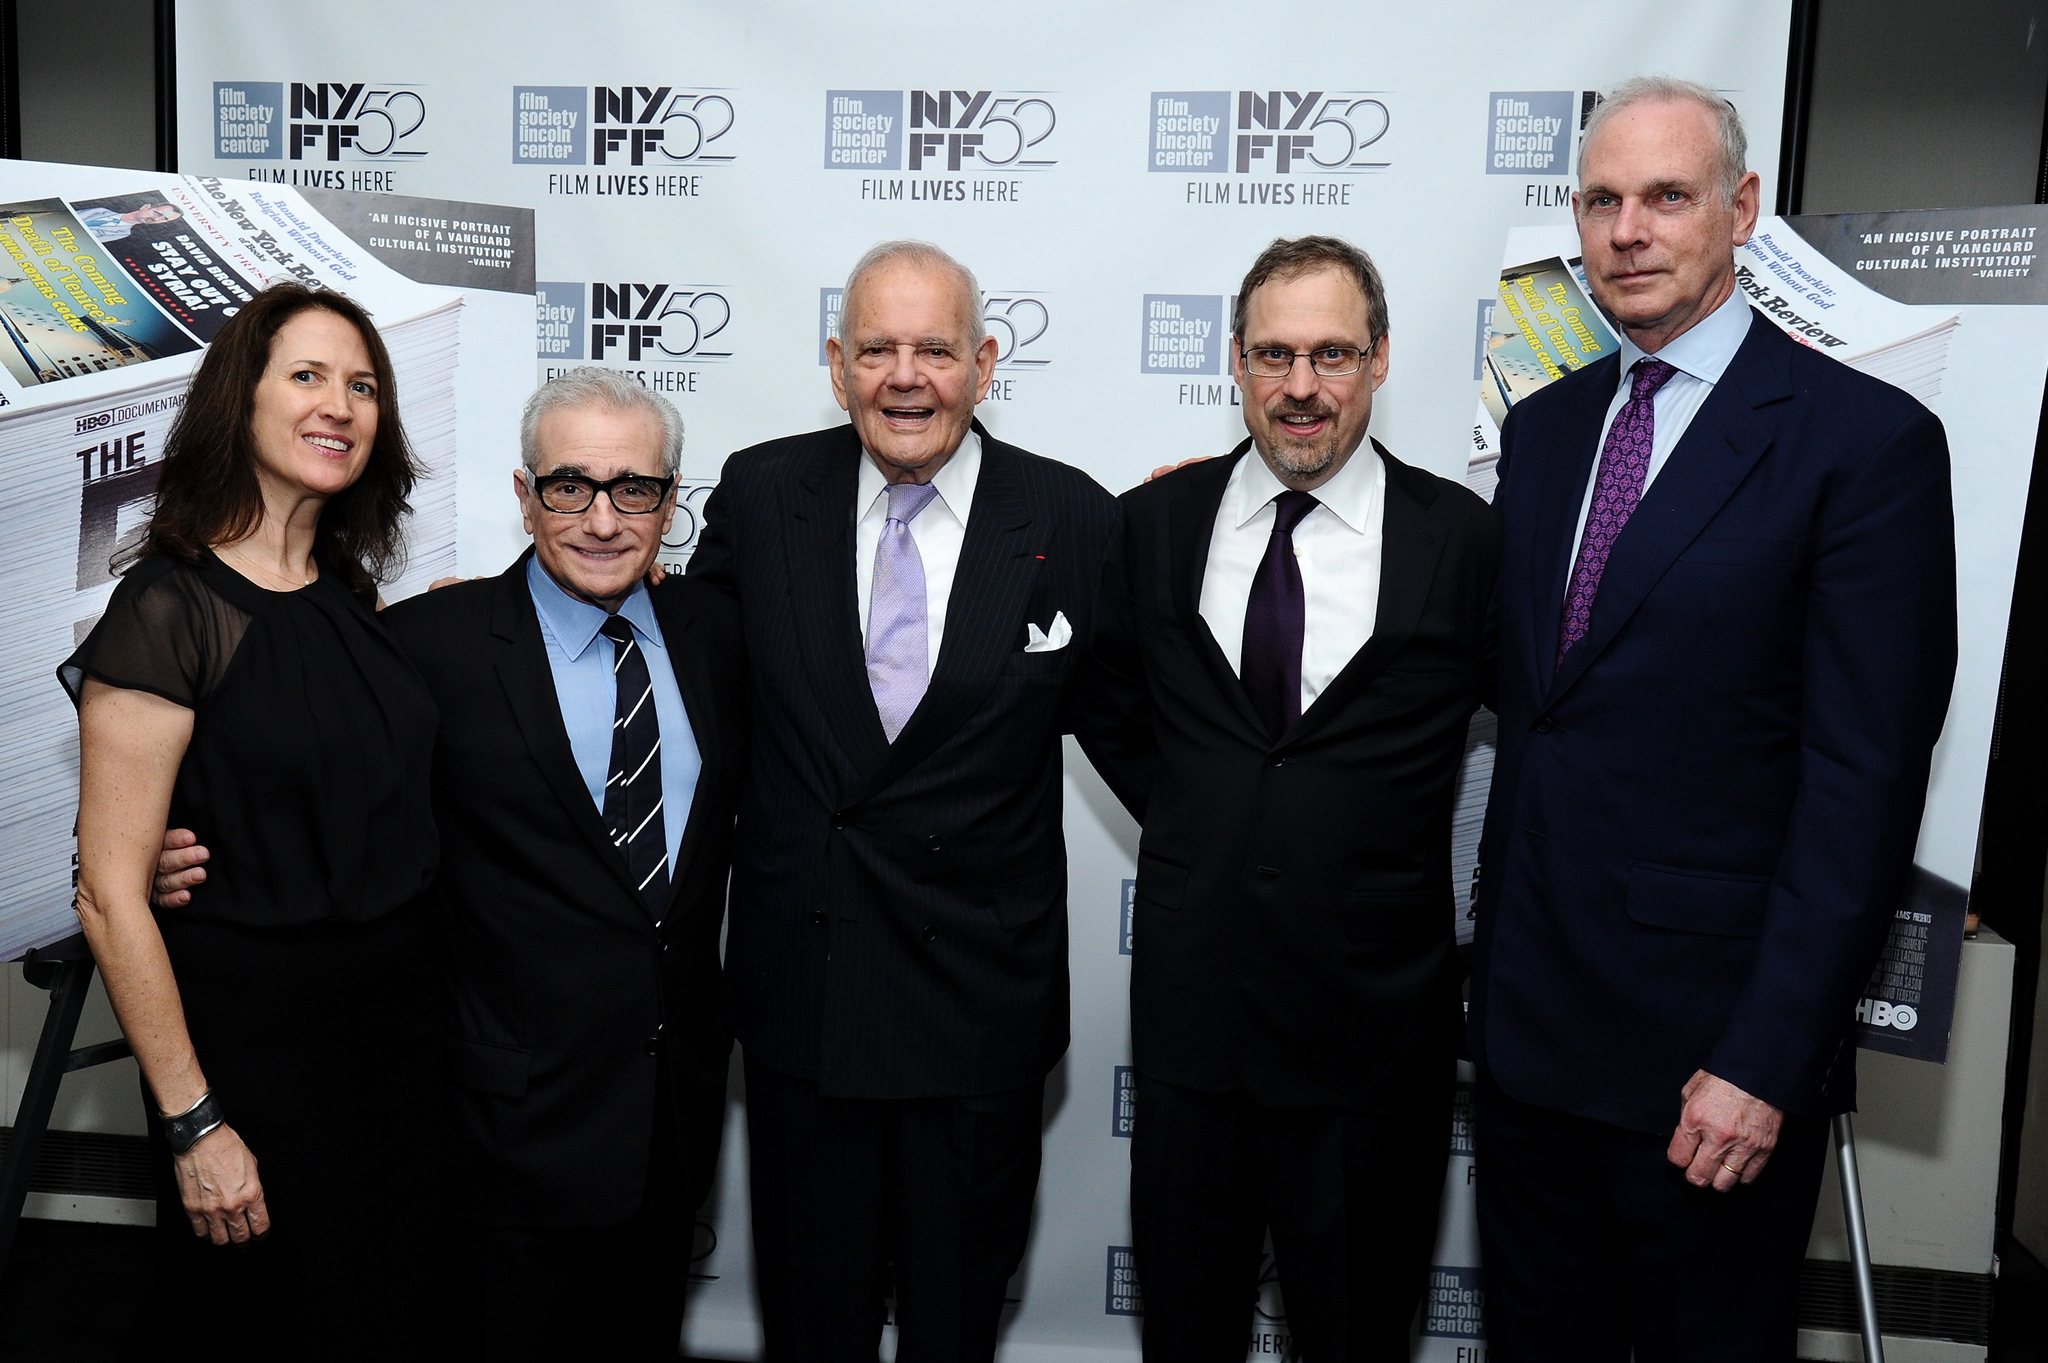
(319, 121)
(982, 136)
(1529, 132)
(1269, 133)
(662, 127)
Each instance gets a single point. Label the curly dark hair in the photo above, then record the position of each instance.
(207, 492)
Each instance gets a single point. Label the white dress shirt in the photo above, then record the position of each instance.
(939, 530)
(1702, 355)
(1337, 546)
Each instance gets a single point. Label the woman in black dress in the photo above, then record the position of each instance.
(240, 685)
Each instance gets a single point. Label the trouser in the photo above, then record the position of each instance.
(1597, 1248)
(542, 1294)
(1351, 1200)
(941, 1187)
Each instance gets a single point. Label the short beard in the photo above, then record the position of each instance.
(1311, 462)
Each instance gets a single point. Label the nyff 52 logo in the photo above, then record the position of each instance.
(1216, 132)
(952, 130)
(662, 323)
(369, 121)
(614, 125)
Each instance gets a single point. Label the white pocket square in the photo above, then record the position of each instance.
(1051, 640)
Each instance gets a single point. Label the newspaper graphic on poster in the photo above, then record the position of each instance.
(1935, 303)
(168, 252)
(145, 270)
(64, 313)
(1543, 327)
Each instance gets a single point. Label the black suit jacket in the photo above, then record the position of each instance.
(558, 978)
(1701, 823)
(1295, 917)
(899, 912)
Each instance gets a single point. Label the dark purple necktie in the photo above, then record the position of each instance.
(1274, 621)
(1624, 466)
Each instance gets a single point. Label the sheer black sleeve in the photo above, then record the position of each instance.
(164, 631)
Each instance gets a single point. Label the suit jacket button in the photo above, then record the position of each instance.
(654, 1043)
(818, 916)
(931, 934)
(934, 843)
(839, 821)
(1544, 725)
(1276, 761)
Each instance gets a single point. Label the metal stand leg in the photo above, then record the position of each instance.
(1859, 1239)
(68, 985)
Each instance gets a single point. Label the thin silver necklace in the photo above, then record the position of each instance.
(274, 576)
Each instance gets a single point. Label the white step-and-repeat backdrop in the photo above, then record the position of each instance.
(703, 176)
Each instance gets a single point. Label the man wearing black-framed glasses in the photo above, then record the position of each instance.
(592, 738)
(1297, 638)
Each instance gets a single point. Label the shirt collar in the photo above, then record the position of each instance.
(955, 480)
(574, 623)
(1705, 349)
(1348, 496)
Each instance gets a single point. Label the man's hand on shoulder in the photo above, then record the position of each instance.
(1724, 1136)
(179, 866)
(1165, 469)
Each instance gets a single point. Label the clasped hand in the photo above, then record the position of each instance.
(1724, 1136)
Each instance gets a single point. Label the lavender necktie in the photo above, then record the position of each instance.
(899, 645)
(1275, 619)
(1624, 467)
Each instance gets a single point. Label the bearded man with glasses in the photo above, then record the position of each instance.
(1296, 638)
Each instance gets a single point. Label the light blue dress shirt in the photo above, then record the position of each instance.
(582, 662)
(1702, 355)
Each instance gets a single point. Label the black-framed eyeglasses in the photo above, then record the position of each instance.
(633, 495)
(1276, 362)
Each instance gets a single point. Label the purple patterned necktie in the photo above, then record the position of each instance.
(899, 641)
(1624, 466)
(1275, 619)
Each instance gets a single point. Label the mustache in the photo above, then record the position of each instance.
(1292, 406)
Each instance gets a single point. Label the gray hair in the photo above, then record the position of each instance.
(590, 386)
(923, 255)
(1733, 142)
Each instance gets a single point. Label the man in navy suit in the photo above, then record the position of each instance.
(1727, 637)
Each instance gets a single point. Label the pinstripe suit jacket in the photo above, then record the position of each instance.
(899, 911)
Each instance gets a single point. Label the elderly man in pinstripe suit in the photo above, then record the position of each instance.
(915, 595)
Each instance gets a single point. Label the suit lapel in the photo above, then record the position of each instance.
(1718, 450)
(819, 515)
(529, 684)
(707, 726)
(984, 614)
(1410, 548)
(1190, 525)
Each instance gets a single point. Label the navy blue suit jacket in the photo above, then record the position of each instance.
(1702, 822)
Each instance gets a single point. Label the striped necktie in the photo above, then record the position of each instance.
(632, 792)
